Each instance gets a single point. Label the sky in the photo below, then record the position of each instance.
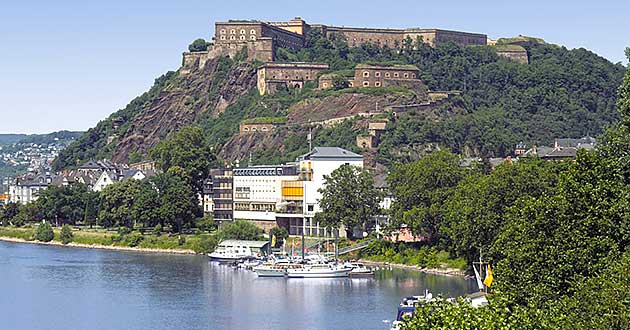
(68, 64)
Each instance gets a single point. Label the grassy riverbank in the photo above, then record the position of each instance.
(199, 243)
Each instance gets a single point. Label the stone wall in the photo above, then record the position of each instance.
(358, 36)
(434, 37)
(376, 76)
(514, 53)
(289, 74)
(253, 128)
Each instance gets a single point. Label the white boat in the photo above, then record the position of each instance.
(274, 270)
(358, 270)
(319, 271)
(236, 250)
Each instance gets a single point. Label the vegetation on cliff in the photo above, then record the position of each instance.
(561, 93)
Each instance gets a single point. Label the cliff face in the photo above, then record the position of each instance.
(211, 88)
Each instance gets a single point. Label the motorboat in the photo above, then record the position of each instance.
(231, 254)
(358, 269)
(278, 269)
(407, 308)
(319, 271)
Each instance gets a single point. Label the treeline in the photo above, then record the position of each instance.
(557, 235)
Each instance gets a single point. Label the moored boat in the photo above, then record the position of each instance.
(359, 270)
(274, 270)
(319, 271)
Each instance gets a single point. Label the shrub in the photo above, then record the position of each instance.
(241, 229)
(157, 230)
(44, 232)
(206, 223)
(280, 233)
(206, 244)
(181, 241)
(66, 234)
(199, 45)
(135, 239)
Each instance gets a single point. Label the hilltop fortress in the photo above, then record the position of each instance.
(263, 38)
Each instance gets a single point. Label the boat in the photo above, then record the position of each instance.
(359, 270)
(278, 269)
(237, 251)
(319, 271)
(407, 308)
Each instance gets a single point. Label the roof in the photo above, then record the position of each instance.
(387, 66)
(330, 153)
(250, 244)
(586, 142)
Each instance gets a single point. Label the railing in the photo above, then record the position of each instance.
(355, 247)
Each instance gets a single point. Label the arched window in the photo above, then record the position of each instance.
(252, 31)
(253, 129)
(245, 129)
(232, 31)
(252, 37)
(242, 37)
(413, 75)
(395, 74)
(242, 31)
(366, 83)
(377, 74)
(222, 37)
(264, 129)
(377, 84)
(366, 74)
(222, 31)
(406, 75)
(232, 37)
(386, 74)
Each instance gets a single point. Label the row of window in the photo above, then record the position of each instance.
(254, 129)
(254, 207)
(233, 31)
(307, 77)
(366, 74)
(367, 84)
(241, 38)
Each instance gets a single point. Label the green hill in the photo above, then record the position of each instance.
(561, 93)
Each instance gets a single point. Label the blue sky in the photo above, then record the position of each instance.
(69, 64)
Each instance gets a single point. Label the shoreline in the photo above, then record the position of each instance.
(100, 247)
(434, 271)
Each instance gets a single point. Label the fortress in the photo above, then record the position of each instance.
(262, 39)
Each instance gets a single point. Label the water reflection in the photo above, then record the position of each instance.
(96, 289)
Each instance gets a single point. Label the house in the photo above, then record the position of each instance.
(24, 189)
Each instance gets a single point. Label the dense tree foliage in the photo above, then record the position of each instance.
(349, 198)
(186, 153)
(240, 229)
(199, 45)
(44, 232)
(419, 190)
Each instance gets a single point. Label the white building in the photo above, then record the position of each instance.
(287, 195)
(24, 189)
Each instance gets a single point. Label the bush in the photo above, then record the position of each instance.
(181, 241)
(241, 229)
(280, 233)
(157, 230)
(199, 45)
(44, 232)
(66, 234)
(135, 239)
(206, 223)
(206, 244)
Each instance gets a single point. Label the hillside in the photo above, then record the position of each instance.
(561, 93)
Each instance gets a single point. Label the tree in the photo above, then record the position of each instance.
(44, 232)
(280, 233)
(177, 204)
(349, 198)
(199, 45)
(188, 151)
(66, 234)
(240, 229)
(117, 204)
(420, 189)
(10, 211)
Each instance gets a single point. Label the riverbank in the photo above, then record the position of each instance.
(434, 271)
(99, 246)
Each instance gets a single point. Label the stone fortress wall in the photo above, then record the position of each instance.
(295, 74)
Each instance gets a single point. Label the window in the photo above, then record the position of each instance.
(242, 31)
(222, 31)
(406, 75)
(253, 129)
(366, 83)
(377, 74)
(366, 74)
(242, 37)
(252, 37)
(222, 37)
(413, 75)
(245, 129)
(252, 31)
(311, 207)
(395, 74)
(232, 37)
(232, 31)
(264, 129)
(325, 85)
(386, 74)
(377, 84)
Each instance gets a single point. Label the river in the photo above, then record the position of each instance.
(50, 287)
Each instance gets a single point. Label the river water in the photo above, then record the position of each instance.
(48, 287)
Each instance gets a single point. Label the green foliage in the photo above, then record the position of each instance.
(206, 244)
(265, 120)
(187, 150)
(135, 239)
(44, 232)
(206, 223)
(65, 236)
(199, 45)
(420, 189)
(62, 205)
(412, 254)
(157, 230)
(240, 229)
(280, 233)
(349, 198)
